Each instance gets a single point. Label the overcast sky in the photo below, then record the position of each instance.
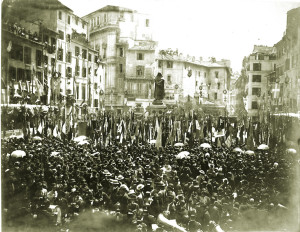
(225, 29)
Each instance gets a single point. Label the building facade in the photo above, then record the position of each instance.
(50, 44)
(124, 40)
(273, 73)
(188, 78)
(258, 66)
(105, 59)
(22, 68)
(285, 81)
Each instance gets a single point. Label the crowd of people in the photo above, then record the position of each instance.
(138, 182)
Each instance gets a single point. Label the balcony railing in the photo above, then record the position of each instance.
(79, 37)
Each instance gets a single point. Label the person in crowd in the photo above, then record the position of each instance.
(138, 183)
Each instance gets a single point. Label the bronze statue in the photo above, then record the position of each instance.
(159, 91)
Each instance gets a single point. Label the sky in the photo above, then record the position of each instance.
(224, 29)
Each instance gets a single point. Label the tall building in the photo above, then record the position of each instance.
(124, 40)
(188, 78)
(64, 69)
(258, 66)
(285, 82)
(20, 51)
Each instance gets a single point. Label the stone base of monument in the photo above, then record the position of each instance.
(157, 102)
(157, 107)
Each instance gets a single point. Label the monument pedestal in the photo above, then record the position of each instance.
(157, 107)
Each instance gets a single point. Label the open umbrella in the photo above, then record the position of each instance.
(263, 147)
(178, 145)
(80, 138)
(249, 152)
(37, 138)
(237, 149)
(15, 136)
(54, 153)
(153, 141)
(183, 155)
(291, 151)
(205, 145)
(18, 154)
(96, 153)
(83, 142)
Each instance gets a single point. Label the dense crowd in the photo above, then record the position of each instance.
(137, 182)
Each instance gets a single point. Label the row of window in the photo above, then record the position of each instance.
(139, 55)
(19, 74)
(23, 75)
(262, 57)
(137, 88)
(140, 70)
(287, 65)
(83, 93)
(60, 54)
(84, 71)
(23, 54)
(60, 17)
(97, 20)
(169, 64)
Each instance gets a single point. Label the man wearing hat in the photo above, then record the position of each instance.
(193, 225)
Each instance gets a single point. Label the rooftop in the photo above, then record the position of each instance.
(263, 49)
(192, 60)
(143, 47)
(110, 8)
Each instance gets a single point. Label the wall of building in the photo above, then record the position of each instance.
(288, 67)
(267, 65)
(17, 72)
(189, 75)
(110, 29)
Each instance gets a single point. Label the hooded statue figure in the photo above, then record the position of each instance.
(159, 91)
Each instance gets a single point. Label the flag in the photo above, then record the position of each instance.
(228, 141)
(250, 141)
(55, 131)
(64, 130)
(49, 132)
(158, 142)
(189, 135)
(20, 86)
(156, 124)
(40, 128)
(39, 87)
(71, 120)
(219, 142)
(28, 86)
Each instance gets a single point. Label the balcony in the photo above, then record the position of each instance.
(105, 25)
(79, 37)
(51, 49)
(21, 32)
